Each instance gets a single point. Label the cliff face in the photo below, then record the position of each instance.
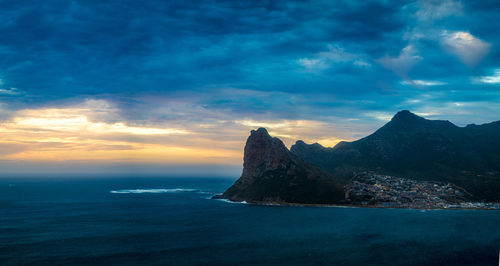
(272, 174)
(263, 153)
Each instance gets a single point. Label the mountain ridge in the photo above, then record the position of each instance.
(407, 146)
(410, 145)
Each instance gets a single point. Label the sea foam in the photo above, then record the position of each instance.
(155, 190)
(233, 202)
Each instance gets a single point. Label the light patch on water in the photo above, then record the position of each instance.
(156, 190)
(234, 202)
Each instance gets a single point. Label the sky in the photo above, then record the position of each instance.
(174, 87)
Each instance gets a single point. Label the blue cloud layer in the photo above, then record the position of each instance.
(208, 52)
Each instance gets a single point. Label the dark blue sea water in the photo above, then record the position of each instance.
(79, 221)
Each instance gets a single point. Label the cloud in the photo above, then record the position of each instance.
(334, 55)
(94, 130)
(361, 63)
(10, 148)
(381, 116)
(78, 119)
(11, 91)
(437, 9)
(176, 132)
(313, 63)
(493, 79)
(423, 82)
(161, 65)
(401, 64)
(69, 133)
(469, 49)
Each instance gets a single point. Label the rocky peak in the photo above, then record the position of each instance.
(300, 142)
(264, 152)
(271, 173)
(406, 120)
(406, 116)
(260, 132)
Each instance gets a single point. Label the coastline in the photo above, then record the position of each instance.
(290, 204)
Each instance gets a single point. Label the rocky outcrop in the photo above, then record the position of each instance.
(272, 174)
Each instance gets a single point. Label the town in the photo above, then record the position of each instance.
(369, 189)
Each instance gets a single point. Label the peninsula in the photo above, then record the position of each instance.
(411, 162)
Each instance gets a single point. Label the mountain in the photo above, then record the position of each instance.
(272, 174)
(415, 147)
(408, 147)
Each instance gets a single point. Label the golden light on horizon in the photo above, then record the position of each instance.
(135, 153)
(64, 134)
(330, 142)
(93, 131)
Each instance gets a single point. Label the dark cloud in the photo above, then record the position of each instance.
(56, 51)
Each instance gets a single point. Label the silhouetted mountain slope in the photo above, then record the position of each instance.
(271, 173)
(415, 147)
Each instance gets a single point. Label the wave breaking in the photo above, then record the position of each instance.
(155, 190)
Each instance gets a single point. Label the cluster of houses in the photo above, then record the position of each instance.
(389, 191)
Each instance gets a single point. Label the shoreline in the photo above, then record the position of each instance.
(289, 204)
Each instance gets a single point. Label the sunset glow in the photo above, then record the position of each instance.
(76, 134)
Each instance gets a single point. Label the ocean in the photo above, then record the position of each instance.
(173, 221)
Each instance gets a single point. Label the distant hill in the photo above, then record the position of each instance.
(415, 147)
(272, 174)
